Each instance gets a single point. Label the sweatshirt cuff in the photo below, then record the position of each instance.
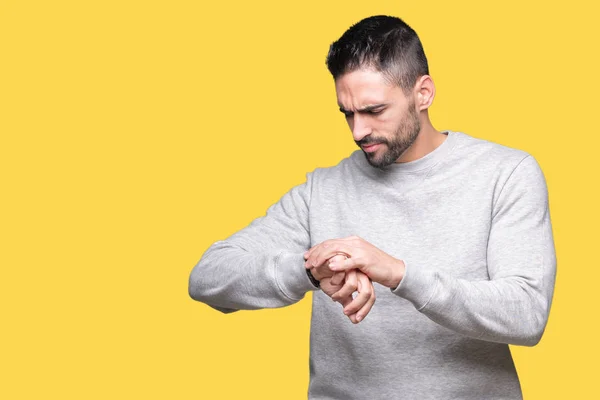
(417, 286)
(291, 275)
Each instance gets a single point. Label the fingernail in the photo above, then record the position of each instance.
(358, 317)
(346, 312)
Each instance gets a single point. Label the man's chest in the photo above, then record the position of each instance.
(445, 226)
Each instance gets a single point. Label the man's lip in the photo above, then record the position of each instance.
(367, 146)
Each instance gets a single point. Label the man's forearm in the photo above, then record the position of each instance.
(230, 277)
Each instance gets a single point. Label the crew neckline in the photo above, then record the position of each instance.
(415, 166)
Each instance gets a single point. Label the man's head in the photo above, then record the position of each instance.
(380, 71)
(386, 44)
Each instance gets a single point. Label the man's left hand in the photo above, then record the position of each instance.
(373, 262)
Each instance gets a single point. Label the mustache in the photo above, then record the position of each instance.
(369, 141)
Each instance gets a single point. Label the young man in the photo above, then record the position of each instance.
(450, 233)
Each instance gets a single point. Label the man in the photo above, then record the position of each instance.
(450, 233)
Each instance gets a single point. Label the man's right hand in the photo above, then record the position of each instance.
(346, 283)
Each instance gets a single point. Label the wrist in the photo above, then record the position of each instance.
(398, 270)
(316, 282)
(320, 273)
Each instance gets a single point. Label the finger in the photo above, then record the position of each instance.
(309, 252)
(365, 293)
(318, 248)
(314, 252)
(353, 319)
(315, 258)
(338, 278)
(334, 249)
(365, 282)
(344, 302)
(349, 287)
(329, 288)
(349, 241)
(345, 264)
(323, 271)
(337, 258)
(327, 249)
(313, 255)
(328, 242)
(316, 273)
(362, 313)
(312, 262)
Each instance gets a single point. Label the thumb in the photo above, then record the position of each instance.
(341, 264)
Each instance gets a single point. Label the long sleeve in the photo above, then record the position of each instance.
(262, 265)
(513, 305)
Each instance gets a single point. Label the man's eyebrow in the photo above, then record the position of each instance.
(368, 108)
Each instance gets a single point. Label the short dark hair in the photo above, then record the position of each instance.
(382, 42)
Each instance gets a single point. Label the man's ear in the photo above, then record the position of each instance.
(424, 92)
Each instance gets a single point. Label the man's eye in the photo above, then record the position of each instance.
(375, 112)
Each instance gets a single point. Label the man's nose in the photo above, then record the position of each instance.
(360, 127)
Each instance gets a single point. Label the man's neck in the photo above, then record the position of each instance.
(427, 141)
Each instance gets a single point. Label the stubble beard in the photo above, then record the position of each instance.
(404, 137)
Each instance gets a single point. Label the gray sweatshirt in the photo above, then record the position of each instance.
(472, 224)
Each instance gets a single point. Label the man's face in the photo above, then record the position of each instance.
(383, 120)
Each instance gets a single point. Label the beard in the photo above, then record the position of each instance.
(404, 136)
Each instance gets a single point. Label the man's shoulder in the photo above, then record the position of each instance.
(345, 165)
(486, 153)
(489, 148)
(490, 163)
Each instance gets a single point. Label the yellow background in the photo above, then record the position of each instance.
(136, 133)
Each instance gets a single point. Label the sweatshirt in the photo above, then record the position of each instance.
(471, 222)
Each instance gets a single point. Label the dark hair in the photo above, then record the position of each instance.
(385, 43)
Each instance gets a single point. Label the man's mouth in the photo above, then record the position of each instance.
(370, 147)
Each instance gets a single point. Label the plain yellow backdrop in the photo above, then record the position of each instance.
(136, 133)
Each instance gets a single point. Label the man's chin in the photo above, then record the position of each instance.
(375, 160)
(382, 159)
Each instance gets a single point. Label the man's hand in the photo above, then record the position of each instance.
(322, 270)
(340, 287)
(379, 266)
